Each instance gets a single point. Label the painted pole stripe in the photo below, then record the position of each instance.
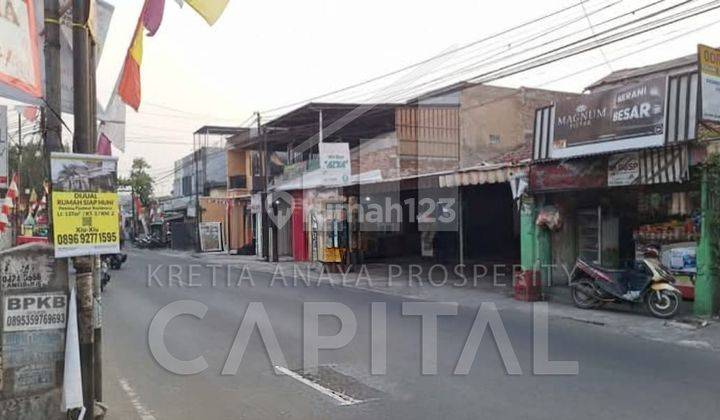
(339, 397)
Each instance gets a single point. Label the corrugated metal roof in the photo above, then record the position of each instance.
(637, 72)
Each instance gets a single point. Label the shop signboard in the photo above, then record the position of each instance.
(709, 59)
(210, 236)
(623, 169)
(34, 311)
(20, 64)
(335, 163)
(569, 175)
(627, 117)
(85, 205)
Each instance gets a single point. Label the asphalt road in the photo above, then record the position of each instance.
(619, 376)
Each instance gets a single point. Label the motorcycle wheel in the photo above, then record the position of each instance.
(583, 295)
(663, 303)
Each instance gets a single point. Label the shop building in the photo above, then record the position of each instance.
(448, 155)
(616, 170)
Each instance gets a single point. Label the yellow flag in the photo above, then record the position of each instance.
(136, 48)
(210, 10)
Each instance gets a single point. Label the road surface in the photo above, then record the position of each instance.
(619, 376)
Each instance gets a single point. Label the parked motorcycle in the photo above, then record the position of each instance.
(115, 261)
(149, 242)
(648, 281)
(104, 274)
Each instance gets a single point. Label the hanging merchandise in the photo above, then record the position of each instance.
(549, 217)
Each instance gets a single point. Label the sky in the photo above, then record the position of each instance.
(263, 54)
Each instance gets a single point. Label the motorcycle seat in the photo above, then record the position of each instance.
(617, 274)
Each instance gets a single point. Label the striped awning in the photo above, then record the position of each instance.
(480, 176)
(660, 166)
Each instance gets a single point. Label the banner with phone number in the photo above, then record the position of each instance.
(85, 223)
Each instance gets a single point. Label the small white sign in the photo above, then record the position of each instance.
(623, 169)
(335, 163)
(33, 312)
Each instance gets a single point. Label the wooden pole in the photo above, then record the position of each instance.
(83, 143)
(53, 127)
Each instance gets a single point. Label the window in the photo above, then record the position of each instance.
(238, 181)
(187, 187)
(494, 139)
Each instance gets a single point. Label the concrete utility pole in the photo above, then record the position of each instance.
(83, 142)
(198, 212)
(53, 128)
(97, 278)
(53, 109)
(266, 176)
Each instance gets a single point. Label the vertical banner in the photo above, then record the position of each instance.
(4, 149)
(335, 163)
(20, 72)
(85, 205)
(709, 61)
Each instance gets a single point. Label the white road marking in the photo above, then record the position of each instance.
(143, 412)
(339, 397)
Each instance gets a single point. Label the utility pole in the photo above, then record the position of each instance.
(134, 218)
(53, 128)
(97, 278)
(84, 143)
(198, 211)
(51, 116)
(265, 220)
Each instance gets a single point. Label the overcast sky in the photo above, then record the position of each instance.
(262, 54)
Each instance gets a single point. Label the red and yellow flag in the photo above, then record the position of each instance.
(150, 18)
(129, 87)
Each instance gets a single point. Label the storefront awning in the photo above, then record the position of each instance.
(492, 175)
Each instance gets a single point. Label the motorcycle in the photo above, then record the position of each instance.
(115, 261)
(593, 286)
(104, 275)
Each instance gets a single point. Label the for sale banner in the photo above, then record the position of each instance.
(85, 205)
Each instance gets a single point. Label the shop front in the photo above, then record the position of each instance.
(609, 209)
(619, 170)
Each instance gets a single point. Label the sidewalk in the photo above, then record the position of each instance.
(684, 330)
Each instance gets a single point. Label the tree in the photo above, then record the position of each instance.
(28, 161)
(140, 181)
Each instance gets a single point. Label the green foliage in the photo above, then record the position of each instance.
(140, 181)
(29, 162)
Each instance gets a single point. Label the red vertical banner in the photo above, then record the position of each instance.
(299, 242)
